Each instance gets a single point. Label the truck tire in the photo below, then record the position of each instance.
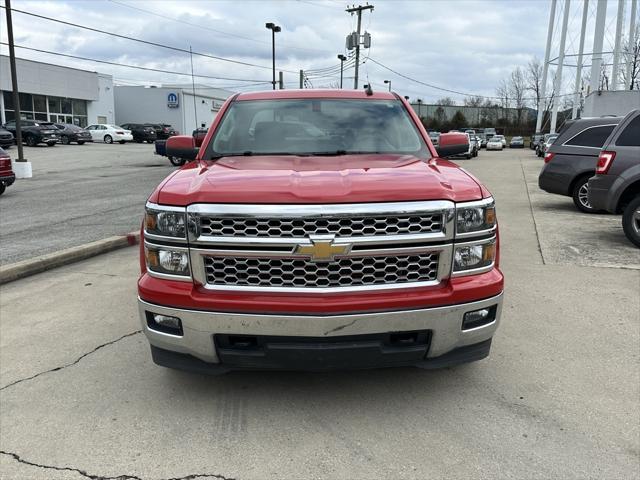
(2, 188)
(108, 139)
(580, 194)
(80, 142)
(31, 141)
(176, 161)
(631, 221)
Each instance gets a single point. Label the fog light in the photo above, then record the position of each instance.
(164, 323)
(478, 318)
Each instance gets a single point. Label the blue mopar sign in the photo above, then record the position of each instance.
(172, 100)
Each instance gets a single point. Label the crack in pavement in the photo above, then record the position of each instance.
(19, 459)
(74, 362)
(533, 217)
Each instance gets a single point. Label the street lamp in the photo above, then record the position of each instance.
(342, 58)
(389, 82)
(274, 28)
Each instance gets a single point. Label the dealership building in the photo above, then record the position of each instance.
(57, 94)
(175, 105)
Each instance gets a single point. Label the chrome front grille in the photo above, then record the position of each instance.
(321, 248)
(357, 226)
(304, 273)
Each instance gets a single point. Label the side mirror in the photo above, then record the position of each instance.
(451, 144)
(182, 146)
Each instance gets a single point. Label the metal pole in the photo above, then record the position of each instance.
(281, 80)
(355, 80)
(545, 68)
(632, 32)
(193, 90)
(615, 72)
(576, 96)
(301, 79)
(14, 81)
(558, 80)
(273, 55)
(598, 39)
(341, 71)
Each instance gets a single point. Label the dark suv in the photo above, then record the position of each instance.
(571, 160)
(35, 132)
(141, 133)
(163, 130)
(616, 186)
(73, 133)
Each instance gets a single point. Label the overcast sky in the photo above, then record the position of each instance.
(462, 45)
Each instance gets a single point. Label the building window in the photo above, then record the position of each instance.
(34, 107)
(26, 102)
(8, 100)
(66, 105)
(40, 103)
(54, 105)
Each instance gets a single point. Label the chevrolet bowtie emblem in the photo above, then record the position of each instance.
(323, 248)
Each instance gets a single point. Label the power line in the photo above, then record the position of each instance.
(132, 66)
(221, 32)
(146, 42)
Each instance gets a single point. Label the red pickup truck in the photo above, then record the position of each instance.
(315, 230)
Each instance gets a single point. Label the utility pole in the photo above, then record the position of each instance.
(545, 68)
(342, 58)
(301, 79)
(358, 10)
(558, 80)
(22, 166)
(576, 96)
(280, 80)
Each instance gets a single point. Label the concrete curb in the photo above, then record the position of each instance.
(25, 268)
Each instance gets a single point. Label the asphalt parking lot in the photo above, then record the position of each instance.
(78, 194)
(559, 397)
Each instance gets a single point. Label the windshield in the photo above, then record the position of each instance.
(317, 127)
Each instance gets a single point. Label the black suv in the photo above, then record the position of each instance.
(141, 133)
(35, 132)
(73, 133)
(163, 130)
(571, 160)
(616, 186)
(6, 138)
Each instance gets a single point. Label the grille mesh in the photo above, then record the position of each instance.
(303, 227)
(303, 273)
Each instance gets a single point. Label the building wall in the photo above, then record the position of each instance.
(47, 79)
(606, 102)
(104, 106)
(136, 104)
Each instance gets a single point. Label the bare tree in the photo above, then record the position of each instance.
(533, 77)
(446, 102)
(473, 101)
(631, 55)
(517, 88)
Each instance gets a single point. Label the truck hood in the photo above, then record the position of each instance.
(297, 180)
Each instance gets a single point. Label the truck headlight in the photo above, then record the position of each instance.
(165, 223)
(167, 260)
(475, 217)
(471, 257)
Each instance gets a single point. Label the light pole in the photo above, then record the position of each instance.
(419, 108)
(389, 82)
(274, 28)
(342, 58)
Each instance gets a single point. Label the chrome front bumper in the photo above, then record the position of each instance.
(199, 327)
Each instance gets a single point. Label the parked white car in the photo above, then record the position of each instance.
(107, 133)
(502, 139)
(495, 143)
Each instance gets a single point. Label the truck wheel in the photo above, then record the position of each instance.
(80, 142)
(580, 195)
(51, 144)
(108, 139)
(31, 141)
(176, 161)
(2, 188)
(64, 140)
(631, 221)
(467, 156)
